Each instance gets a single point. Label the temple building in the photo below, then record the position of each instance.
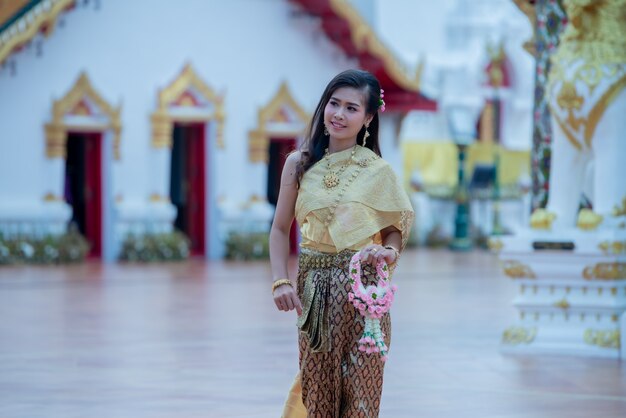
(144, 117)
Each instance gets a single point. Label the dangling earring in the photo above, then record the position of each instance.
(326, 131)
(367, 134)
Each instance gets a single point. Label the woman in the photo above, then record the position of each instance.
(346, 199)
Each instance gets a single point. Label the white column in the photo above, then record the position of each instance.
(109, 244)
(389, 143)
(214, 248)
(160, 178)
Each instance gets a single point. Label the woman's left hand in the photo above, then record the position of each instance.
(373, 254)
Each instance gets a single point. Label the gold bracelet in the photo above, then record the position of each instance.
(280, 282)
(396, 252)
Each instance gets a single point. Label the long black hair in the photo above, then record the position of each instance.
(316, 142)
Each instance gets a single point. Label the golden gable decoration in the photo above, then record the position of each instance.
(180, 93)
(76, 102)
(279, 111)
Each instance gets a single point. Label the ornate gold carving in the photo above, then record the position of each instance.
(258, 139)
(605, 271)
(163, 121)
(542, 219)
(51, 197)
(591, 56)
(568, 98)
(56, 131)
(596, 31)
(364, 38)
(615, 247)
(602, 338)
(620, 210)
(588, 220)
(517, 270)
(37, 20)
(495, 244)
(162, 129)
(156, 197)
(562, 304)
(518, 335)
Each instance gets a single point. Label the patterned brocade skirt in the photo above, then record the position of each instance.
(338, 381)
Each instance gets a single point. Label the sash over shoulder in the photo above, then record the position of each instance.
(372, 199)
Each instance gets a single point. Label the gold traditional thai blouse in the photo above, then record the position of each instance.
(350, 215)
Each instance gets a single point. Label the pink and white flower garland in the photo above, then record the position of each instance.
(372, 302)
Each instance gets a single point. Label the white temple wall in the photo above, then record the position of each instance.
(242, 49)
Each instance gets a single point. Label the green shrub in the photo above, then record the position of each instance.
(247, 246)
(173, 246)
(70, 247)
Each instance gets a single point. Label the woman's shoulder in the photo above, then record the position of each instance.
(294, 158)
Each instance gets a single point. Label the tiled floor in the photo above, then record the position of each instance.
(204, 340)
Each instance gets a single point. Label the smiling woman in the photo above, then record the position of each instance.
(348, 203)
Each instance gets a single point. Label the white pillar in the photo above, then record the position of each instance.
(389, 143)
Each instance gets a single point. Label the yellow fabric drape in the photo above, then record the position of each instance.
(437, 162)
(438, 165)
(294, 408)
(372, 199)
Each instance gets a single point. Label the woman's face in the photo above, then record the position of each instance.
(344, 114)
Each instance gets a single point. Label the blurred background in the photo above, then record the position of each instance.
(151, 130)
(138, 133)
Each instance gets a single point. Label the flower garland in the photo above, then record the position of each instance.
(372, 302)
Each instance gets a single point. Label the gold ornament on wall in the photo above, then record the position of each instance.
(542, 219)
(620, 210)
(495, 244)
(602, 338)
(178, 93)
(605, 271)
(79, 94)
(275, 113)
(588, 220)
(516, 270)
(615, 247)
(562, 304)
(519, 335)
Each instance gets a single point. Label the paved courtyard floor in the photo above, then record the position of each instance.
(203, 339)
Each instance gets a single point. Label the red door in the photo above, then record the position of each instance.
(83, 186)
(195, 176)
(280, 148)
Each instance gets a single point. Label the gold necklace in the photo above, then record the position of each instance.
(360, 165)
(331, 179)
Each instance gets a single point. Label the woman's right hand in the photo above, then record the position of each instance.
(286, 299)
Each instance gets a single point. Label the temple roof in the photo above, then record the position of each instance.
(22, 20)
(343, 24)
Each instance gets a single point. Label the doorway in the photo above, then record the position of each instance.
(83, 186)
(279, 149)
(187, 183)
